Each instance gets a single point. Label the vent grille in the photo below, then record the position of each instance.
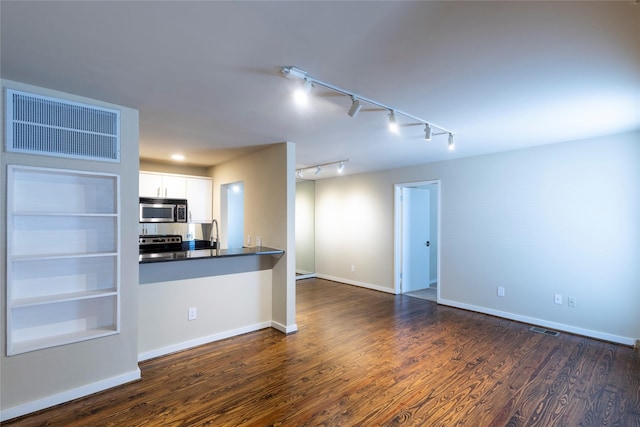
(55, 127)
(544, 331)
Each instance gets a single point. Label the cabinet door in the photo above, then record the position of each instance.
(151, 185)
(175, 187)
(200, 199)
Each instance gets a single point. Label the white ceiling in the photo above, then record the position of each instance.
(205, 75)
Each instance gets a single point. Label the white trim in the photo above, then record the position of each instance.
(355, 283)
(305, 276)
(285, 329)
(397, 228)
(540, 322)
(200, 341)
(66, 396)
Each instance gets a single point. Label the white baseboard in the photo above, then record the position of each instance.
(506, 315)
(304, 272)
(540, 322)
(66, 396)
(355, 283)
(200, 341)
(285, 329)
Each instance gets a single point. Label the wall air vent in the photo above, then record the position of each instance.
(56, 127)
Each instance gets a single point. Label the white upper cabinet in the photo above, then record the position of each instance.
(197, 190)
(163, 185)
(175, 187)
(200, 199)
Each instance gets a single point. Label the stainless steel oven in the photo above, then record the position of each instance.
(163, 210)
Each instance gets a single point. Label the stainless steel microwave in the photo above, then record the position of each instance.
(163, 210)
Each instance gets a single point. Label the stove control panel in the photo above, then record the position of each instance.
(159, 240)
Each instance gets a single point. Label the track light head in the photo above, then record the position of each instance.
(299, 173)
(427, 132)
(355, 107)
(318, 170)
(393, 125)
(341, 167)
(301, 94)
(451, 143)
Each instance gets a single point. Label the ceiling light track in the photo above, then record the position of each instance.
(357, 100)
(320, 167)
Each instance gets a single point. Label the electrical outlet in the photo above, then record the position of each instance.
(353, 268)
(193, 313)
(558, 299)
(500, 291)
(571, 301)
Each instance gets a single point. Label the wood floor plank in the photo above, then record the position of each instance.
(366, 358)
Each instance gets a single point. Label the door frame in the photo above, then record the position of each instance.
(397, 241)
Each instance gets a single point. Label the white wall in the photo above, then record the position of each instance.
(561, 218)
(226, 305)
(31, 381)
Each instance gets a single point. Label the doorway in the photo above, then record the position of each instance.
(232, 215)
(417, 239)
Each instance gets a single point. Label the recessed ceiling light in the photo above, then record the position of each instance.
(178, 157)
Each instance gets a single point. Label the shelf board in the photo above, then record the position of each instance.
(38, 257)
(52, 341)
(53, 299)
(67, 214)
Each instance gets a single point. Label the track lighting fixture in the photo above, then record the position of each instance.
(357, 100)
(427, 132)
(320, 167)
(393, 125)
(355, 107)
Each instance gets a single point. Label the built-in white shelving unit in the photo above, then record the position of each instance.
(63, 257)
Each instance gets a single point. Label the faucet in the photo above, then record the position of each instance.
(217, 237)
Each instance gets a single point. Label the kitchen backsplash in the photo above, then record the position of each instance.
(187, 231)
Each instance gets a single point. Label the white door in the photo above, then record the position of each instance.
(415, 237)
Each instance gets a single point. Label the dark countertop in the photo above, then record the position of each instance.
(205, 253)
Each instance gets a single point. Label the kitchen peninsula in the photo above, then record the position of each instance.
(235, 291)
(162, 266)
(189, 298)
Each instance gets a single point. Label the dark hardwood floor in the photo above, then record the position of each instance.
(365, 358)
